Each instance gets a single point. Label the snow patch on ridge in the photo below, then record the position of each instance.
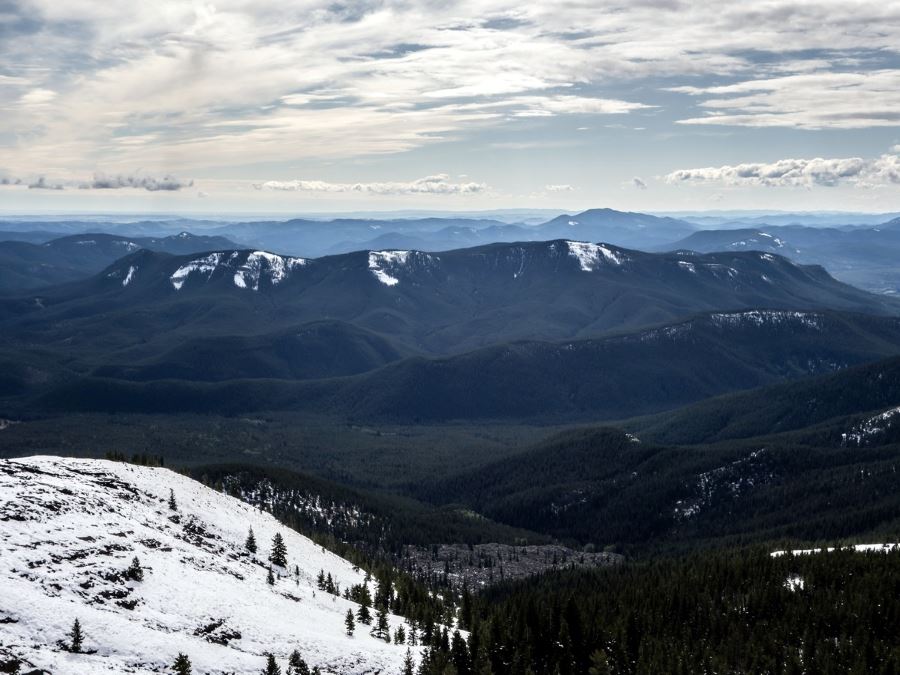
(763, 317)
(278, 267)
(379, 261)
(205, 266)
(590, 256)
(257, 265)
(859, 548)
(862, 433)
(129, 276)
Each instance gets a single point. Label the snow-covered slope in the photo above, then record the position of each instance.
(69, 528)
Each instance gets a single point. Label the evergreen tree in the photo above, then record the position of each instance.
(271, 666)
(250, 544)
(459, 653)
(349, 622)
(278, 556)
(76, 637)
(182, 665)
(320, 580)
(399, 635)
(408, 664)
(296, 665)
(135, 572)
(599, 663)
(172, 505)
(270, 578)
(382, 629)
(364, 615)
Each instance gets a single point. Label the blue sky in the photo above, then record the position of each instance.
(313, 106)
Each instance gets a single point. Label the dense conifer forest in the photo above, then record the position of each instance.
(737, 611)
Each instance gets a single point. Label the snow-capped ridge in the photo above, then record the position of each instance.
(256, 266)
(591, 256)
(386, 265)
(71, 527)
(204, 266)
(259, 263)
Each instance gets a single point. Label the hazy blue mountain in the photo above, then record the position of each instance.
(25, 265)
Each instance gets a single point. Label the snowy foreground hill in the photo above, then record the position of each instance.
(69, 528)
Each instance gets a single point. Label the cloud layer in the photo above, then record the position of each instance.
(177, 86)
(884, 170)
(166, 183)
(439, 184)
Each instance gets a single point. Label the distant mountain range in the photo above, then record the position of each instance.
(236, 330)
(863, 256)
(857, 248)
(429, 303)
(26, 265)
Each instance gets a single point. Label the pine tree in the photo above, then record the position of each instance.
(278, 556)
(270, 578)
(320, 580)
(599, 663)
(408, 664)
(250, 544)
(135, 572)
(296, 665)
(76, 637)
(364, 615)
(382, 629)
(271, 666)
(399, 635)
(172, 505)
(182, 665)
(349, 622)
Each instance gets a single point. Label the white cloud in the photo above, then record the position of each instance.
(177, 86)
(638, 183)
(559, 188)
(817, 100)
(439, 184)
(884, 170)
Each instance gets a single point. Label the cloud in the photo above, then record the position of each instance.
(167, 183)
(638, 183)
(42, 184)
(439, 184)
(172, 85)
(817, 100)
(818, 172)
(559, 188)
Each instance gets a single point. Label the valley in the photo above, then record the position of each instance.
(392, 410)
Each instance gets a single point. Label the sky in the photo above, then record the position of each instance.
(257, 106)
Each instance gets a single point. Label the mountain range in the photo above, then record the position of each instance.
(549, 330)
(863, 256)
(27, 265)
